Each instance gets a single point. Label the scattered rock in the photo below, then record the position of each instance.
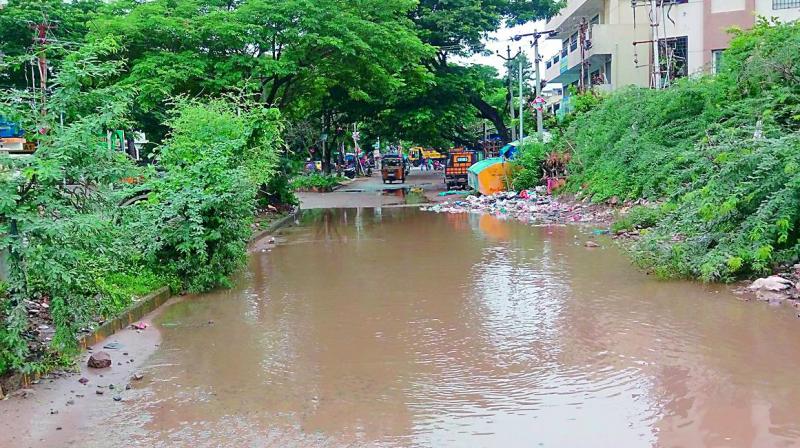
(99, 360)
(99, 391)
(58, 428)
(70, 402)
(137, 376)
(111, 386)
(23, 393)
(771, 283)
(53, 412)
(83, 380)
(128, 386)
(117, 398)
(591, 244)
(210, 322)
(2, 396)
(773, 297)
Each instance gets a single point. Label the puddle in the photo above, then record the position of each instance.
(398, 328)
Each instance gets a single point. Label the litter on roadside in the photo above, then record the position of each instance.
(526, 206)
(139, 325)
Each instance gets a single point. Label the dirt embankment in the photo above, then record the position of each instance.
(60, 406)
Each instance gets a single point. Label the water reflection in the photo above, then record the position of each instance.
(398, 328)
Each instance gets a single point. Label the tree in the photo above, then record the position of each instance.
(293, 53)
(68, 25)
(459, 28)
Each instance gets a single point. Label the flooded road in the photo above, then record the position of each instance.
(398, 328)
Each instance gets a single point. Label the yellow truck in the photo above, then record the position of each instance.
(429, 154)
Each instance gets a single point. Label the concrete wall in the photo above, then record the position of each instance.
(715, 35)
(688, 18)
(764, 9)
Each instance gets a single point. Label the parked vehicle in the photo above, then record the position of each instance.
(415, 153)
(393, 168)
(458, 162)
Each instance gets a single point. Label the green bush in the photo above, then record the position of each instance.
(202, 207)
(315, 180)
(278, 192)
(640, 217)
(723, 151)
(530, 157)
(74, 245)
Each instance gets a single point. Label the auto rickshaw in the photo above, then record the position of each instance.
(393, 168)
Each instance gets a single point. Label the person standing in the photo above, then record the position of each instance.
(376, 155)
(423, 164)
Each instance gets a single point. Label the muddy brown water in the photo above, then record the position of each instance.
(399, 328)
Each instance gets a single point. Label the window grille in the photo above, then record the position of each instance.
(785, 4)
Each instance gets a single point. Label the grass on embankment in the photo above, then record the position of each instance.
(721, 155)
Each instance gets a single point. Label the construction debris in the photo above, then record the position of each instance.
(527, 206)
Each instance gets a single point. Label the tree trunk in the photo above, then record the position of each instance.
(488, 112)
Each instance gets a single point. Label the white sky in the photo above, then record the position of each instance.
(500, 39)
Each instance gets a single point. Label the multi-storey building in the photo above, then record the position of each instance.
(615, 45)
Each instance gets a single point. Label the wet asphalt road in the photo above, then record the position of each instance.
(372, 192)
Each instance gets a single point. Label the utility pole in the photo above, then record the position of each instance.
(521, 102)
(508, 59)
(40, 40)
(582, 36)
(537, 60)
(656, 55)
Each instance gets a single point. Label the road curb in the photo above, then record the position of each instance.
(282, 222)
(139, 309)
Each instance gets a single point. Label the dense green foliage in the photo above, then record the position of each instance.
(723, 151)
(530, 157)
(88, 230)
(315, 181)
(200, 210)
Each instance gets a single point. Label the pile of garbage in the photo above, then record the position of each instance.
(528, 206)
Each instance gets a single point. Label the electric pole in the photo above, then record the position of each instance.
(583, 27)
(656, 49)
(40, 40)
(508, 60)
(536, 60)
(521, 102)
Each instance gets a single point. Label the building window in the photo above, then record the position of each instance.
(573, 42)
(564, 47)
(716, 61)
(595, 21)
(673, 56)
(548, 63)
(785, 4)
(556, 58)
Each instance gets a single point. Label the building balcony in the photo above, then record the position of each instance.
(568, 19)
(606, 42)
